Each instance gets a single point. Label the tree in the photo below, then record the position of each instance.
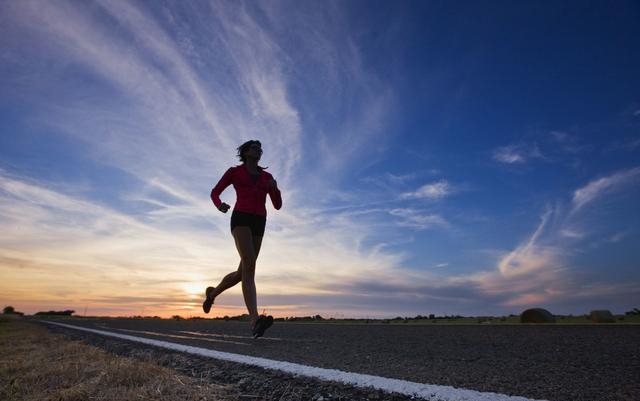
(9, 310)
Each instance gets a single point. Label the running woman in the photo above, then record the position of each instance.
(252, 184)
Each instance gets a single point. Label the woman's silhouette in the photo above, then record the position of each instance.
(252, 184)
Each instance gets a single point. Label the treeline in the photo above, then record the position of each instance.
(317, 318)
(10, 310)
(56, 313)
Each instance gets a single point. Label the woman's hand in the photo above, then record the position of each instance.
(224, 207)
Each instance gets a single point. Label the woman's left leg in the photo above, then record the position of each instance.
(235, 277)
(244, 244)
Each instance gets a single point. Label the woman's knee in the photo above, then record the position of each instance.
(247, 266)
(248, 271)
(248, 261)
(238, 276)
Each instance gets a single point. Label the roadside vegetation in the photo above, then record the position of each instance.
(435, 320)
(631, 317)
(36, 364)
(461, 320)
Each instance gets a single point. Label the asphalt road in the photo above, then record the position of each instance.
(597, 363)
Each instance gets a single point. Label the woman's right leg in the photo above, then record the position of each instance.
(227, 282)
(244, 243)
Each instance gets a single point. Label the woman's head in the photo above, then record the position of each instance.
(250, 149)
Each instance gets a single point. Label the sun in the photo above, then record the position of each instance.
(194, 288)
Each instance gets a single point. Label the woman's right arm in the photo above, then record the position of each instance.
(224, 182)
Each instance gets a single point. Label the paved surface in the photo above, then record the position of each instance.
(597, 363)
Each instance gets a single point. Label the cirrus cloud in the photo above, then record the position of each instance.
(603, 186)
(435, 190)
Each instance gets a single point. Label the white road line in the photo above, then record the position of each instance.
(201, 334)
(153, 333)
(430, 392)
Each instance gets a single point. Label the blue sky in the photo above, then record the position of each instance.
(434, 157)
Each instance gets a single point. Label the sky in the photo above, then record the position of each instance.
(468, 157)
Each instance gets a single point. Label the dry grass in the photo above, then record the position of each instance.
(38, 365)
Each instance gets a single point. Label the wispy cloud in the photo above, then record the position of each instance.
(436, 190)
(508, 154)
(553, 146)
(572, 233)
(567, 142)
(418, 220)
(529, 256)
(604, 186)
(400, 178)
(531, 274)
(617, 237)
(517, 154)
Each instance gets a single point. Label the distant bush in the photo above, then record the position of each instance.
(633, 312)
(10, 310)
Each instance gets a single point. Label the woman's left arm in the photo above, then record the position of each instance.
(274, 194)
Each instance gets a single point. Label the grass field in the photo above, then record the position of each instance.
(36, 364)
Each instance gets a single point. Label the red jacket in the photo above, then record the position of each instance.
(250, 197)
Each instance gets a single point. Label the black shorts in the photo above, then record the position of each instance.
(255, 222)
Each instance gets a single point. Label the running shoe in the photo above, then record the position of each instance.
(206, 305)
(262, 324)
